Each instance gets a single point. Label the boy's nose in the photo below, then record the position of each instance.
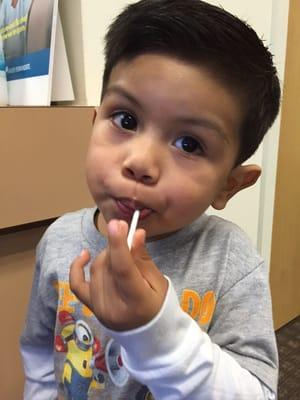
(142, 166)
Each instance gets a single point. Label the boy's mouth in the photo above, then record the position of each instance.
(128, 206)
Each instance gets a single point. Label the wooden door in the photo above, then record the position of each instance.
(285, 255)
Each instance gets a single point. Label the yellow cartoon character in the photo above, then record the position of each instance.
(84, 363)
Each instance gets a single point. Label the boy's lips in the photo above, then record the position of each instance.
(128, 206)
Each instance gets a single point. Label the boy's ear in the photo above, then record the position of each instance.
(241, 177)
(96, 109)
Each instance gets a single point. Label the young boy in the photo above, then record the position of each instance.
(188, 93)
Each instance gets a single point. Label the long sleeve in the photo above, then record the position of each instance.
(36, 342)
(39, 373)
(177, 360)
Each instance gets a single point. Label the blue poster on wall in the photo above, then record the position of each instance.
(27, 29)
(3, 82)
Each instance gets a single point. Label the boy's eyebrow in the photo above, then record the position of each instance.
(122, 92)
(206, 123)
(203, 122)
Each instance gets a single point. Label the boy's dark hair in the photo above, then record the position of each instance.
(205, 35)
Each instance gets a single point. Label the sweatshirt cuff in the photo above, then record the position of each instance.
(161, 340)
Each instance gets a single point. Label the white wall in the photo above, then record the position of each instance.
(84, 42)
(96, 18)
(278, 41)
(252, 209)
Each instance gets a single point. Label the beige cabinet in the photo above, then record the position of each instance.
(42, 162)
(41, 176)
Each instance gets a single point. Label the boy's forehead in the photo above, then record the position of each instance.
(177, 86)
(156, 67)
(182, 77)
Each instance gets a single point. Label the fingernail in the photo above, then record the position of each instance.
(113, 227)
(82, 252)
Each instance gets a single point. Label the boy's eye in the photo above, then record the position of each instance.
(125, 120)
(189, 145)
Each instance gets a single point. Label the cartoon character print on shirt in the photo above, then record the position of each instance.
(200, 308)
(144, 394)
(86, 364)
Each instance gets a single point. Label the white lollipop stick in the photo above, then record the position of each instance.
(132, 228)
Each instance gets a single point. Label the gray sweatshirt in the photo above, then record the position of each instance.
(212, 339)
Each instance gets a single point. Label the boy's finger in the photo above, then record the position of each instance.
(139, 245)
(78, 284)
(122, 265)
(147, 267)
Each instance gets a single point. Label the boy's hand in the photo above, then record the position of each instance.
(126, 289)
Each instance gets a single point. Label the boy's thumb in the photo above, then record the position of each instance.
(138, 249)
